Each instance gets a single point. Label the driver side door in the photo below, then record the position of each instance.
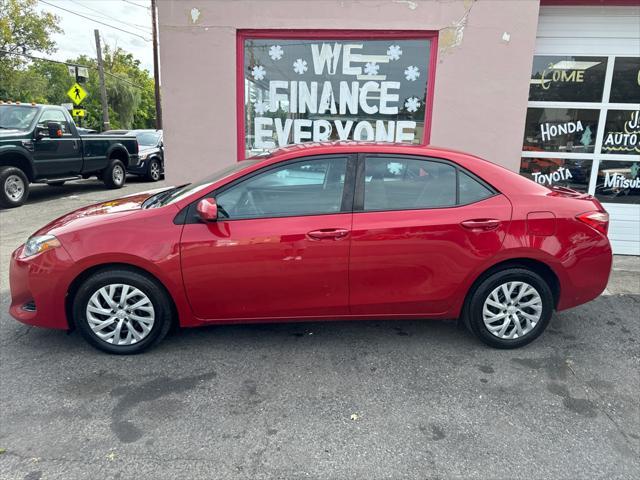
(57, 156)
(280, 246)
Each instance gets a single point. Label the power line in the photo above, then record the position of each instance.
(136, 4)
(73, 64)
(94, 20)
(104, 15)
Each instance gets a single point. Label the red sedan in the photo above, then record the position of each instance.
(333, 231)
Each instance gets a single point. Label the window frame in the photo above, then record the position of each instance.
(346, 204)
(44, 111)
(305, 34)
(603, 106)
(358, 205)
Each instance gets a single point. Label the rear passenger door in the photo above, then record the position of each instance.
(420, 225)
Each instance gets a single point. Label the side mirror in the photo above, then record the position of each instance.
(55, 129)
(41, 132)
(207, 209)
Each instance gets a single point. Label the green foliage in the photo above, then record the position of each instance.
(23, 30)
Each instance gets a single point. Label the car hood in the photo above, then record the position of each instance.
(146, 150)
(10, 132)
(99, 212)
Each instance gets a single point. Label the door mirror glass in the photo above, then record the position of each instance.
(55, 129)
(207, 209)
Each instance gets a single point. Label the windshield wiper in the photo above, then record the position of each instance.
(156, 200)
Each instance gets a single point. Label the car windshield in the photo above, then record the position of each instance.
(148, 138)
(17, 117)
(177, 194)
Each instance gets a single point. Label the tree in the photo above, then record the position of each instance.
(23, 30)
(130, 89)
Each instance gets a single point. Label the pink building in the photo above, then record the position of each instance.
(550, 90)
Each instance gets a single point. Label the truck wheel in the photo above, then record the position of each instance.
(153, 170)
(14, 187)
(114, 175)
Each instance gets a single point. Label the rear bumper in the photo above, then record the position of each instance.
(586, 275)
(38, 288)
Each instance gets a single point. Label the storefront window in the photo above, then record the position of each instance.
(622, 132)
(625, 84)
(567, 79)
(618, 182)
(300, 90)
(560, 130)
(561, 172)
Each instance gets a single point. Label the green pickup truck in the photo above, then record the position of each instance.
(41, 144)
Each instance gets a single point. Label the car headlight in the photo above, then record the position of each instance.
(143, 157)
(38, 244)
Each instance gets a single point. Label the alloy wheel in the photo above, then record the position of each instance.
(14, 188)
(154, 170)
(120, 314)
(118, 174)
(512, 310)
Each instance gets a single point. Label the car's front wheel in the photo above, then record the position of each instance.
(153, 170)
(14, 187)
(510, 308)
(122, 311)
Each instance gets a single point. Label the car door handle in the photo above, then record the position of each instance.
(481, 224)
(328, 233)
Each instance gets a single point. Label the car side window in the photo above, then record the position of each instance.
(54, 116)
(404, 184)
(309, 187)
(471, 190)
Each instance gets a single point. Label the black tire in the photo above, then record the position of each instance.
(473, 314)
(56, 184)
(148, 286)
(14, 187)
(153, 170)
(115, 175)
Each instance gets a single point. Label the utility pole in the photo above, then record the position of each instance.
(156, 65)
(103, 88)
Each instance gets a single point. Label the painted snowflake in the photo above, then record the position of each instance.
(371, 68)
(394, 52)
(276, 52)
(300, 66)
(412, 73)
(258, 72)
(261, 107)
(412, 104)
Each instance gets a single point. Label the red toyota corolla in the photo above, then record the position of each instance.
(333, 231)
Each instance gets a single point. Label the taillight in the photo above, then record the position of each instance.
(597, 220)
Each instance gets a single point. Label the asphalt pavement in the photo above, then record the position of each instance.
(334, 400)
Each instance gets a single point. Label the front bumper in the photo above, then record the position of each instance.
(139, 169)
(39, 285)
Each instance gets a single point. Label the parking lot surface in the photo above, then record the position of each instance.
(334, 400)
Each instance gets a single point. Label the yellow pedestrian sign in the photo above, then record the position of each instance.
(76, 93)
(78, 112)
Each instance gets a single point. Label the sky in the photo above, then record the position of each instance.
(77, 37)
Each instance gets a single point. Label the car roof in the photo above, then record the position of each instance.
(323, 148)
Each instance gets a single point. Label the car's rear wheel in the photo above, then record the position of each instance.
(115, 174)
(510, 308)
(122, 311)
(14, 187)
(153, 170)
